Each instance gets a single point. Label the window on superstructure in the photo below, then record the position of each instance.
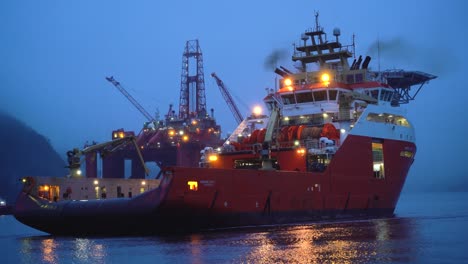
(359, 78)
(388, 119)
(378, 159)
(320, 96)
(374, 94)
(386, 95)
(332, 95)
(288, 99)
(304, 97)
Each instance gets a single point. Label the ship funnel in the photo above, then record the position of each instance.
(286, 70)
(352, 65)
(358, 63)
(365, 64)
(281, 72)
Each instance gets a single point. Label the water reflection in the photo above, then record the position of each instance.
(368, 241)
(384, 240)
(88, 250)
(48, 250)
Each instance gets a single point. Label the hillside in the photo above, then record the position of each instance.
(24, 152)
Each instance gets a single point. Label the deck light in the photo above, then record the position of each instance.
(257, 110)
(287, 82)
(213, 158)
(325, 77)
(96, 182)
(185, 138)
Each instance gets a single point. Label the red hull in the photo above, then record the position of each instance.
(234, 197)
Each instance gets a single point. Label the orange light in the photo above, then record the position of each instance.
(185, 138)
(325, 77)
(171, 132)
(121, 134)
(194, 122)
(193, 185)
(213, 158)
(287, 82)
(290, 88)
(301, 151)
(46, 188)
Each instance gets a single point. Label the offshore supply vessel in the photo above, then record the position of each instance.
(335, 144)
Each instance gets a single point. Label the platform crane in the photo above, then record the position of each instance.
(228, 98)
(130, 98)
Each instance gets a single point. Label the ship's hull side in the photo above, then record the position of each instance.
(232, 197)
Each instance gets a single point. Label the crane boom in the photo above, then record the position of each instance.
(130, 98)
(228, 98)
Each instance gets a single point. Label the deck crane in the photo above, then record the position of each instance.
(130, 98)
(228, 98)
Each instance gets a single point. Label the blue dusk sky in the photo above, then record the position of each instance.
(55, 56)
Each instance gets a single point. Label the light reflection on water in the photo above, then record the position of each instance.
(349, 242)
(423, 233)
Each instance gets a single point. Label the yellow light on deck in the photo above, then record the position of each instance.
(185, 138)
(143, 183)
(287, 82)
(95, 182)
(23, 180)
(213, 158)
(171, 132)
(46, 188)
(121, 134)
(193, 185)
(325, 77)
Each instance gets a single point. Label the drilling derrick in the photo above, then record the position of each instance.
(192, 88)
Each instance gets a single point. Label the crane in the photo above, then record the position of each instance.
(130, 98)
(228, 98)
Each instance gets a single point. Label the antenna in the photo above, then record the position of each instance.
(317, 27)
(354, 46)
(378, 52)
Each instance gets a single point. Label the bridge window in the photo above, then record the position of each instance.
(288, 99)
(386, 95)
(304, 97)
(332, 95)
(320, 96)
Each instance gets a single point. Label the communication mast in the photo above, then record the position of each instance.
(192, 87)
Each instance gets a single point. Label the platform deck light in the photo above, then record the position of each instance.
(287, 82)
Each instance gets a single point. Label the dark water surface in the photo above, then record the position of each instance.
(428, 228)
